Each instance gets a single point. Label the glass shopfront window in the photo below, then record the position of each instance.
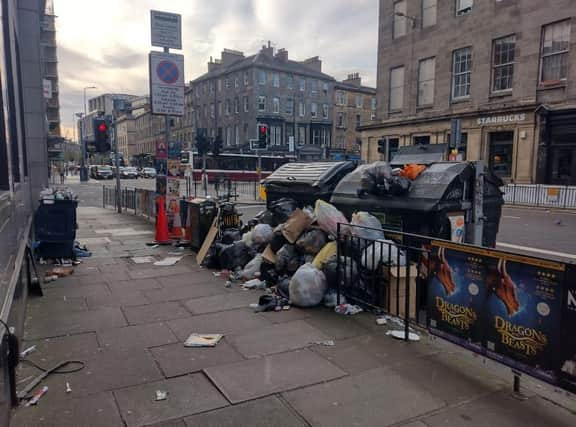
(501, 152)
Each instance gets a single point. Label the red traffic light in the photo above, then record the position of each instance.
(102, 127)
(263, 129)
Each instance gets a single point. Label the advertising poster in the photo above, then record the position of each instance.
(174, 150)
(161, 167)
(161, 185)
(173, 168)
(507, 307)
(524, 310)
(161, 150)
(173, 188)
(568, 340)
(456, 296)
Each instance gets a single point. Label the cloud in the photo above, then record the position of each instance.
(107, 45)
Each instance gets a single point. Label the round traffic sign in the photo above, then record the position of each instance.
(167, 71)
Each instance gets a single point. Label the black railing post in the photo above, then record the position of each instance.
(407, 297)
(338, 264)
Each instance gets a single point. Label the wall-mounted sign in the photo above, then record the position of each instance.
(166, 29)
(500, 120)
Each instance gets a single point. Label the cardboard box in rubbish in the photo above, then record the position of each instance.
(397, 276)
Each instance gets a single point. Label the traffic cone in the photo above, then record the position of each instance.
(162, 237)
(176, 227)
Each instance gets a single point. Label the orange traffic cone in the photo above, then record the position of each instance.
(162, 237)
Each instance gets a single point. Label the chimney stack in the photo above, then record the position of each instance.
(353, 79)
(313, 63)
(282, 54)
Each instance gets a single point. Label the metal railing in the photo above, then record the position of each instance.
(540, 195)
(236, 190)
(133, 200)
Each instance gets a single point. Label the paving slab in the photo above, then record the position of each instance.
(76, 281)
(197, 278)
(136, 337)
(226, 322)
(97, 410)
(42, 305)
(378, 397)
(48, 325)
(176, 360)
(146, 273)
(285, 315)
(335, 325)
(121, 286)
(277, 338)
(183, 293)
(77, 291)
(228, 301)
(266, 412)
(155, 312)
(187, 395)
(125, 299)
(172, 423)
(268, 375)
(502, 409)
(51, 351)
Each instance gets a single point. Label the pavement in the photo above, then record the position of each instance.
(127, 323)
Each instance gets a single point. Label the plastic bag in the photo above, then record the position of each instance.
(252, 269)
(331, 298)
(311, 241)
(374, 178)
(254, 284)
(364, 219)
(247, 239)
(287, 259)
(230, 236)
(325, 253)
(283, 286)
(382, 252)
(399, 185)
(328, 218)
(261, 234)
(412, 171)
(283, 208)
(266, 217)
(348, 271)
(307, 287)
(268, 273)
(234, 256)
(278, 240)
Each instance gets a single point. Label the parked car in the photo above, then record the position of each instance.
(148, 173)
(129, 172)
(101, 172)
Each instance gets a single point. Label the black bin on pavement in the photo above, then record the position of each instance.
(55, 228)
(442, 189)
(305, 182)
(202, 213)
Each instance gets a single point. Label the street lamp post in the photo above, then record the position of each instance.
(83, 171)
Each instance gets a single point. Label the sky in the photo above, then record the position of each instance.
(105, 43)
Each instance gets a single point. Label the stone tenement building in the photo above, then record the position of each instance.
(354, 105)
(506, 68)
(294, 98)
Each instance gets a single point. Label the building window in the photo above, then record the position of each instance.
(422, 140)
(301, 109)
(246, 78)
(236, 135)
(399, 24)
(228, 107)
(289, 81)
(503, 63)
(429, 12)
(313, 110)
(276, 105)
(373, 103)
(339, 141)
(289, 107)
(464, 6)
(236, 105)
(302, 85)
(396, 88)
(314, 87)
(325, 88)
(501, 152)
(227, 83)
(229, 131)
(461, 67)
(261, 77)
(301, 134)
(276, 135)
(316, 136)
(276, 79)
(426, 77)
(261, 103)
(340, 97)
(219, 108)
(393, 144)
(340, 120)
(212, 111)
(246, 105)
(211, 88)
(236, 82)
(358, 120)
(325, 111)
(554, 51)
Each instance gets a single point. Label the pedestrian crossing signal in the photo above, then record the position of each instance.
(263, 136)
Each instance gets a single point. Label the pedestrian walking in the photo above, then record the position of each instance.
(62, 174)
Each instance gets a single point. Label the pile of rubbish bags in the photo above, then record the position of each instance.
(293, 252)
(379, 179)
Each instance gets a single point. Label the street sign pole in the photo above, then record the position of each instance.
(117, 162)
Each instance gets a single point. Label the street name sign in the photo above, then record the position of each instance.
(166, 83)
(166, 29)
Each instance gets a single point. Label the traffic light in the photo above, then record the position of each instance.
(101, 135)
(382, 146)
(263, 136)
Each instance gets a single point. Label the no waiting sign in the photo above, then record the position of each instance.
(166, 83)
(166, 29)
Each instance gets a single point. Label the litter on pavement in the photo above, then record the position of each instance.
(168, 261)
(412, 336)
(327, 343)
(348, 309)
(143, 259)
(203, 340)
(161, 395)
